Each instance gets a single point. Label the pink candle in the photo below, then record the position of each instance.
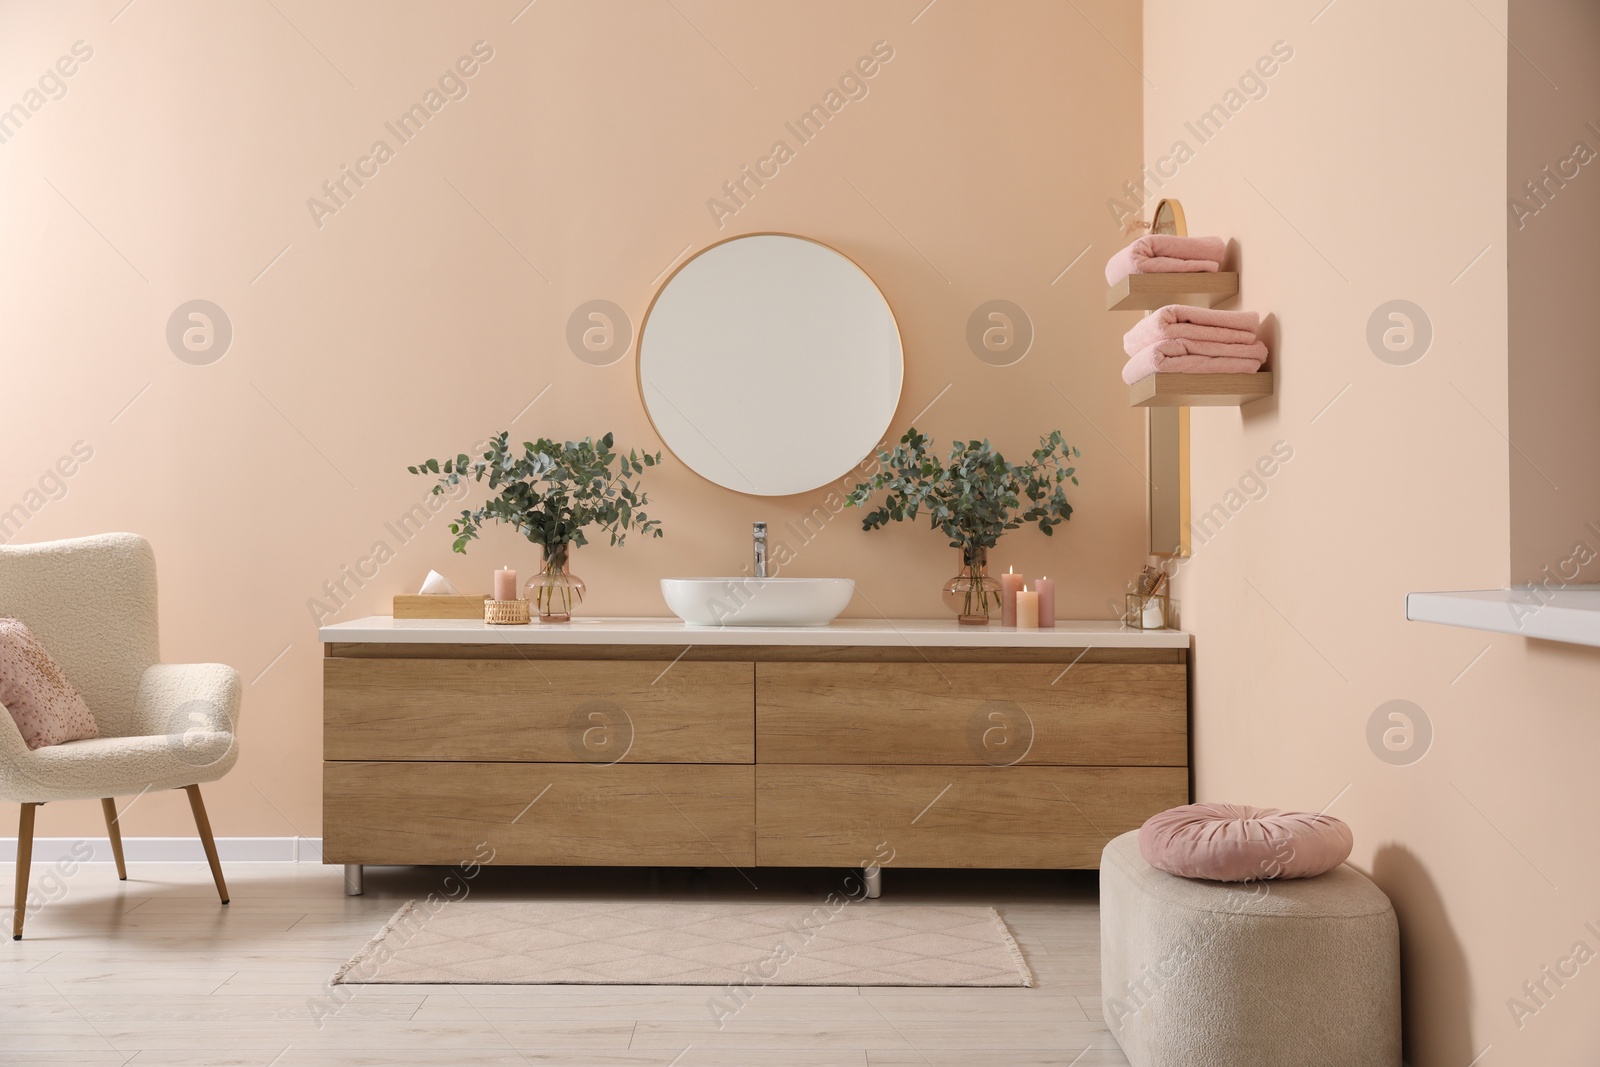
(1046, 588)
(505, 584)
(1027, 610)
(1010, 586)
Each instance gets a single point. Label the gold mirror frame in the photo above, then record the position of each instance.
(644, 326)
(1168, 219)
(1167, 439)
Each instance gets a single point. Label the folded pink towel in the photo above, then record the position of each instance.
(1160, 253)
(1178, 356)
(1182, 322)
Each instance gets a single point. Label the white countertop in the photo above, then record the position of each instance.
(927, 633)
(1571, 614)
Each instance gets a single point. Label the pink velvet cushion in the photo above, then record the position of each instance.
(34, 689)
(1238, 843)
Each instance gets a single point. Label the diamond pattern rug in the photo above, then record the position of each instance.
(625, 943)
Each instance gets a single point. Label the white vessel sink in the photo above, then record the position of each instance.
(757, 601)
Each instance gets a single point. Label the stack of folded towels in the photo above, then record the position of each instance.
(1179, 338)
(1159, 253)
(1193, 340)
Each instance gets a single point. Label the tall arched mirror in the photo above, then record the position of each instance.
(770, 364)
(1168, 219)
(1168, 436)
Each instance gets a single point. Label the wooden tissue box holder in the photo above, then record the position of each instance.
(435, 606)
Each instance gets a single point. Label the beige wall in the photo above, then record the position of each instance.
(1374, 169)
(1553, 229)
(414, 320)
(178, 164)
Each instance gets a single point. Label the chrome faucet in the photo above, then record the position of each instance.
(760, 531)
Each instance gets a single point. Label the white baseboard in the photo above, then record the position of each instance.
(170, 849)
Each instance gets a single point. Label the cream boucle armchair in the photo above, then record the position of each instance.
(92, 603)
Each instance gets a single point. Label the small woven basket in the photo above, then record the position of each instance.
(506, 612)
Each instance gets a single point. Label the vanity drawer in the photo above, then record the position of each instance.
(551, 711)
(1022, 817)
(531, 813)
(1027, 714)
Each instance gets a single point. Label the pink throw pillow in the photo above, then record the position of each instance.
(47, 708)
(1238, 843)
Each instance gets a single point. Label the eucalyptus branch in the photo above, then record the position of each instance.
(976, 495)
(549, 492)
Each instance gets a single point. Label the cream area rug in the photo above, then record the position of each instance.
(625, 943)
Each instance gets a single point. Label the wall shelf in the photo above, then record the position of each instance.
(1199, 390)
(1146, 292)
(1571, 614)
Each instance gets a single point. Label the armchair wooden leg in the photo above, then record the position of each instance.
(203, 824)
(24, 867)
(114, 830)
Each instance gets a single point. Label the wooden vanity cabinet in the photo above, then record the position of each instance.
(747, 755)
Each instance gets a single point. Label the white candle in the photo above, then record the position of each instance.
(1027, 610)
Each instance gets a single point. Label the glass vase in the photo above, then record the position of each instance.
(972, 594)
(555, 590)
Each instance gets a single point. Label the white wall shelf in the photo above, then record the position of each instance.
(1571, 614)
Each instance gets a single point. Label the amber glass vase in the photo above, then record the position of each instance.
(555, 590)
(972, 594)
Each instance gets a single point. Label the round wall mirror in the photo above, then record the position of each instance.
(770, 364)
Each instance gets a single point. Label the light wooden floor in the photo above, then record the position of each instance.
(153, 971)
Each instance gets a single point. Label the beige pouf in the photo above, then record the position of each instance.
(1223, 974)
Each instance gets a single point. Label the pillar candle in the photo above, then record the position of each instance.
(505, 584)
(1046, 588)
(1010, 585)
(1027, 610)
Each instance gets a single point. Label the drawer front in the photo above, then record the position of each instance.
(551, 711)
(1093, 714)
(529, 813)
(1023, 817)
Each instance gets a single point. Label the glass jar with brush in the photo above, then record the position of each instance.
(1147, 606)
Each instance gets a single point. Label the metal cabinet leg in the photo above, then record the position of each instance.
(873, 877)
(353, 880)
